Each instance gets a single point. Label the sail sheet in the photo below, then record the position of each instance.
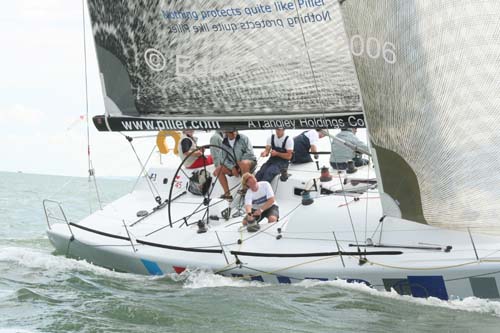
(218, 63)
(429, 76)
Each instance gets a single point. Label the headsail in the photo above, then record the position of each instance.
(429, 75)
(212, 64)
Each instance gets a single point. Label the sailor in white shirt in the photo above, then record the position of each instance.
(305, 142)
(280, 147)
(259, 200)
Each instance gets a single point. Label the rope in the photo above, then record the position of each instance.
(86, 82)
(89, 158)
(345, 198)
(308, 55)
(366, 208)
(421, 268)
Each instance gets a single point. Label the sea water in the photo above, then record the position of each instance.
(42, 292)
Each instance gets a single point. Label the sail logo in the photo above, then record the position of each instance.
(155, 60)
(372, 48)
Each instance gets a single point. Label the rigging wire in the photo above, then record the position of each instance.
(152, 186)
(366, 208)
(307, 51)
(318, 97)
(89, 158)
(345, 198)
(141, 173)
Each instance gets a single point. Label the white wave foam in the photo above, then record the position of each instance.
(469, 304)
(46, 261)
(15, 330)
(195, 279)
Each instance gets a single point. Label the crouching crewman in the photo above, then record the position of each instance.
(259, 202)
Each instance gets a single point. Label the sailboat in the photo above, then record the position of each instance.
(412, 72)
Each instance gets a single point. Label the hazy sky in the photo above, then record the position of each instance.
(42, 95)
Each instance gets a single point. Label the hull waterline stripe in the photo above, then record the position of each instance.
(428, 286)
(178, 248)
(317, 254)
(152, 267)
(283, 279)
(99, 232)
(179, 269)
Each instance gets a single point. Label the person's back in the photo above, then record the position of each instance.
(188, 151)
(340, 154)
(217, 153)
(303, 143)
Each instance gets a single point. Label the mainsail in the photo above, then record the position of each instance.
(429, 76)
(218, 63)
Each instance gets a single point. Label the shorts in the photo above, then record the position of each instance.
(271, 211)
(201, 162)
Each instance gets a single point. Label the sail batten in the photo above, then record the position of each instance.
(225, 59)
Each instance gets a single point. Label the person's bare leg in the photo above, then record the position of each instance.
(272, 218)
(245, 166)
(221, 172)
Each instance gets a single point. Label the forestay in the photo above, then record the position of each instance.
(429, 74)
(219, 63)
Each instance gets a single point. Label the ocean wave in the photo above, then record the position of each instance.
(469, 304)
(195, 279)
(48, 262)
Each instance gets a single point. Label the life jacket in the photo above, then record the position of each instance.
(274, 164)
(282, 149)
(182, 154)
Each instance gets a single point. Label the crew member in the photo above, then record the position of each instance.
(217, 153)
(305, 143)
(242, 151)
(187, 144)
(280, 147)
(259, 201)
(341, 154)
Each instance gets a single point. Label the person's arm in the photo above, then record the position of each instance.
(248, 149)
(360, 144)
(270, 198)
(314, 150)
(266, 151)
(265, 206)
(285, 156)
(248, 203)
(248, 209)
(289, 150)
(226, 158)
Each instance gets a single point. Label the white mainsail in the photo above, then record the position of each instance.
(223, 60)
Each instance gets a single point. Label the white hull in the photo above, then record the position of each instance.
(316, 242)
